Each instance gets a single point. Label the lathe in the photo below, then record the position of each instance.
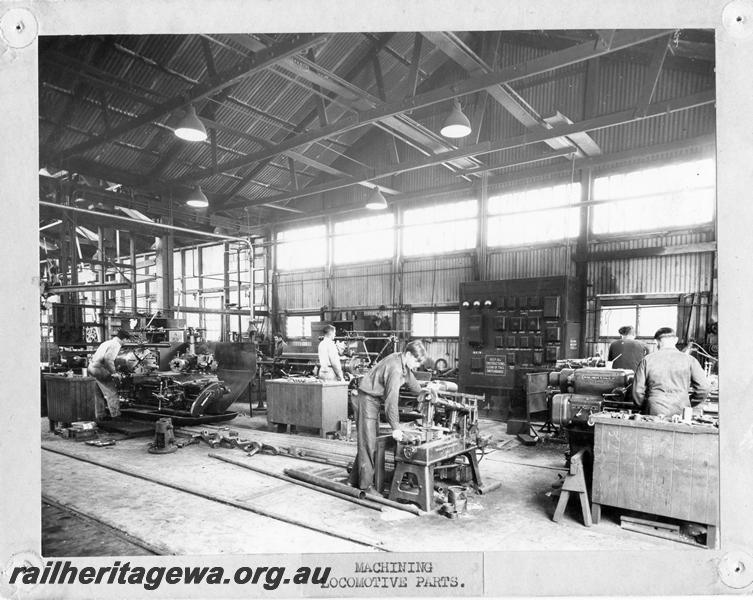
(576, 394)
(441, 446)
(190, 389)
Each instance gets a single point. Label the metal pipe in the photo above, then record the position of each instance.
(325, 483)
(228, 501)
(349, 498)
(332, 485)
(151, 225)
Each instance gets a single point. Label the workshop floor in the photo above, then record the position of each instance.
(190, 503)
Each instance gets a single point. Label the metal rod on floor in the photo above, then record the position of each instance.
(111, 529)
(336, 494)
(228, 501)
(325, 482)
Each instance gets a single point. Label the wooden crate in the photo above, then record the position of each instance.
(317, 405)
(70, 398)
(667, 469)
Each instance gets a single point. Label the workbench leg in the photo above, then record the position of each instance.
(561, 505)
(585, 509)
(596, 513)
(712, 539)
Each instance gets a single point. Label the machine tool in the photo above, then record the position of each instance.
(442, 446)
(576, 394)
(190, 389)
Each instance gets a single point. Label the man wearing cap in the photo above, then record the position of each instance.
(382, 383)
(102, 368)
(626, 353)
(664, 378)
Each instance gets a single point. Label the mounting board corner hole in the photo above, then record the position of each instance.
(736, 569)
(737, 18)
(18, 27)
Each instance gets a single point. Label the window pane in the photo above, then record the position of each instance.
(448, 324)
(513, 227)
(440, 228)
(614, 317)
(422, 324)
(297, 326)
(677, 195)
(212, 260)
(651, 318)
(361, 240)
(302, 248)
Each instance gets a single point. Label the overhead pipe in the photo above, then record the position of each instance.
(163, 227)
(149, 224)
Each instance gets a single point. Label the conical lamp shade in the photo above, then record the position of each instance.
(457, 124)
(376, 201)
(190, 127)
(197, 199)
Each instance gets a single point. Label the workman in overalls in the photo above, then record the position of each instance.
(102, 368)
(382, 383)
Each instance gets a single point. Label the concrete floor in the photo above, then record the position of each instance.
(94, 511)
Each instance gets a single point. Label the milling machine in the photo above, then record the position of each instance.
(442, 445)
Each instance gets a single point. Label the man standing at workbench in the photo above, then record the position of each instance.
(330, 368)
(627, 352)
(102, 368)
(382, 383)
(664, 378)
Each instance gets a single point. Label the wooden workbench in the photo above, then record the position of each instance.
(309, 403)
(660, 468)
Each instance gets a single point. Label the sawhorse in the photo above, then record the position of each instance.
(575, 481)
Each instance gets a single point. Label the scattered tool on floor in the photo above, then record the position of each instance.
(100, 443)
(164, 438)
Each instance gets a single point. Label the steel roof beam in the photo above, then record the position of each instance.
(563, 58)
(601, 122)
(258, 62)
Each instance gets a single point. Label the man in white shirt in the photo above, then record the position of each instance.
(330, 368)
(102, 368)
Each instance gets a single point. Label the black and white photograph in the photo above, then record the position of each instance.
(377, 301)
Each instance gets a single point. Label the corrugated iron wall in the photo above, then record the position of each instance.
(363, 285)
(435, 280)
(518, 263)
(682, 273)
(301, 290)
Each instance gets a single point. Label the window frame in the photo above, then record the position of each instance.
(405, 228)
(596, 203)
(325, 239)
(435, 312)
(315, 316)
(574, 206)
(334, 236)
(638, 301)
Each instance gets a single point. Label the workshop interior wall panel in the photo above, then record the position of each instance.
(434, 280)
